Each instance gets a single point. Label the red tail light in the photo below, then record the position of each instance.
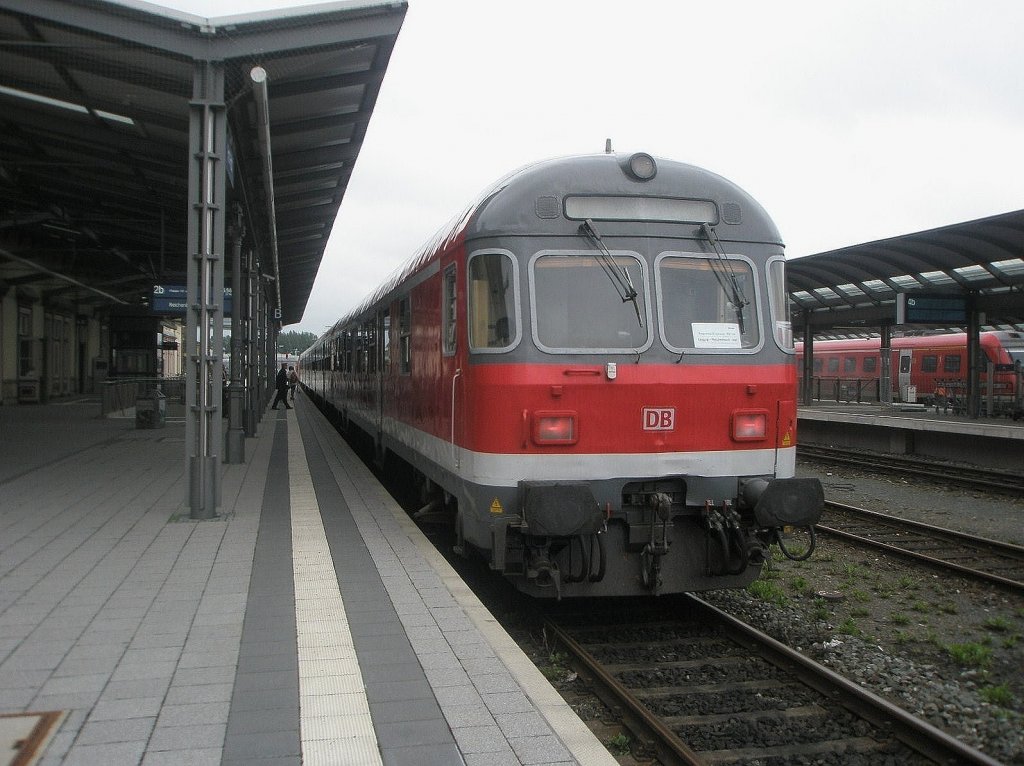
(554, 428)
(749, 425)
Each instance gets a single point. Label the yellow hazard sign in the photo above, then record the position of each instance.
(787, 439)
(496, 506)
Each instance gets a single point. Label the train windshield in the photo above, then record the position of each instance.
(697, 304)
(575, 309)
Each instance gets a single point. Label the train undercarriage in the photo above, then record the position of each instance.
(561, 543)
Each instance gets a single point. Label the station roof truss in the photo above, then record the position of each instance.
(853, 288)
(94, 134)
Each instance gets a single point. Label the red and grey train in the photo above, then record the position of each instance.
(591, 371)
(929, 363)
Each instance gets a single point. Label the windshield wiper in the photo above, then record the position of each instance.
(731, 285)
(617, 274)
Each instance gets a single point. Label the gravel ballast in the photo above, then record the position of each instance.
(944, 648)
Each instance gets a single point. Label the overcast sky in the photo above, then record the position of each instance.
(848, 121)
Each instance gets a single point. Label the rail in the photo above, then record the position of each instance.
(980, 558)
(120, 394)
(974, 477)
(686, 675)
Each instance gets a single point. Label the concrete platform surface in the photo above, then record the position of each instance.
(311, 622)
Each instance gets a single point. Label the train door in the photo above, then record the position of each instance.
(449, 338)
(904, 372)
(383, 368)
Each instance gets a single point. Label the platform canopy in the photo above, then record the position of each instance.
(94, 137)
(856, 287)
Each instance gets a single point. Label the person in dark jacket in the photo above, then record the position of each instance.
(281, 384)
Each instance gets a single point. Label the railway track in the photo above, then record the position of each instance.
(977, 557)
(698, 686)
(974, 477)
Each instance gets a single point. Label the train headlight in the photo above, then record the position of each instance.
(642, 166)
(551, 428)
(749, 425)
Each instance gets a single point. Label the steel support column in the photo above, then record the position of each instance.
(266, 354)
(204, 327)
(807, 372)
(252, 359)
(885, 364)
(271, 368)
(975, 359)
(234, 445)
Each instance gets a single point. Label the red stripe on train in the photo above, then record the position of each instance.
(506, 408)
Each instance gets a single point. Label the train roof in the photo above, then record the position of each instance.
(529, 200)
(918, 341)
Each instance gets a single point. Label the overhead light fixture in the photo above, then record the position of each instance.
(60, 104)
(642, 166)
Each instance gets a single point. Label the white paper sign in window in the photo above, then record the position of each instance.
(716, 335)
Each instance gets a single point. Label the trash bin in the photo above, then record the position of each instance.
(151, 410)
(910, 395)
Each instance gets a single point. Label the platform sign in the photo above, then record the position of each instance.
(931, 308)
(173, 299)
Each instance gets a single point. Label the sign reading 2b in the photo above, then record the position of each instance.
(659, 418)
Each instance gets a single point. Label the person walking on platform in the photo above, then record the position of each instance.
(281, 384)
(293, 381)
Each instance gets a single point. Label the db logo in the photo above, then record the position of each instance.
(659, 418)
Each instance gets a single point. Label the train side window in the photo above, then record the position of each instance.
(448, 312)
(850, 364)
(372, 340)
(951, 363)
(493, 302)
(870, 363)
(778, 304)
(833, 365)
(362, 349)
(405, 335)
(819, 365)
(929, 363)
(384, 328)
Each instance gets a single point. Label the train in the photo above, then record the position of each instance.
(590, 373)
(929, 369)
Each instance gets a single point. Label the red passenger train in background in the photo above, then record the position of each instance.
(927, 363)
(591, 373)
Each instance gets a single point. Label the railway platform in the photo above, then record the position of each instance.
(310, 622)
(914, 429)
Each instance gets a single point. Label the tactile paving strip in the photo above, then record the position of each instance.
(334, 716)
